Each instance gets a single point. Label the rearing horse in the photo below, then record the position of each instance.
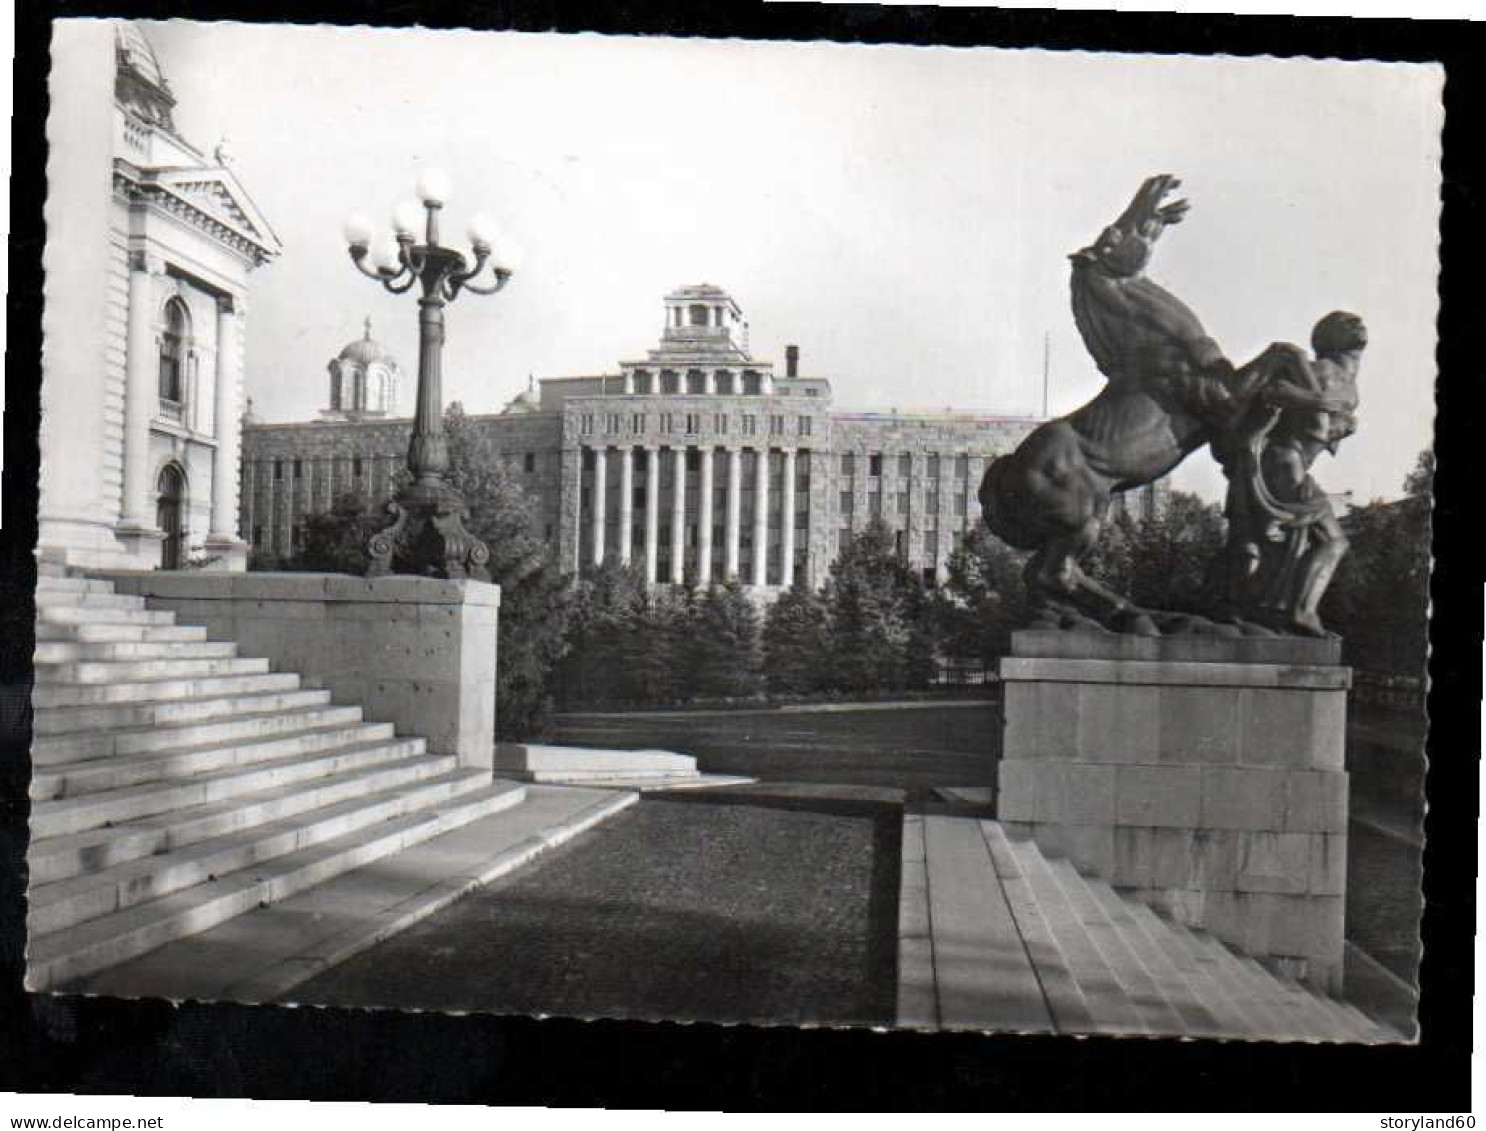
(1170, 390)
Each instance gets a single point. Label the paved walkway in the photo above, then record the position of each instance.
(729, 911)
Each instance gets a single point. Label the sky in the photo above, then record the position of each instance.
(902, 214)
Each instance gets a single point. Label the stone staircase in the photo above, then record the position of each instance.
(177, 785)
(994, 935)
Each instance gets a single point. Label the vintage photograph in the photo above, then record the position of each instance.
(767, 533)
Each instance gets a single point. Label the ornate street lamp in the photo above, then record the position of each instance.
(428, 533)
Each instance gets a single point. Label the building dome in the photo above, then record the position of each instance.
(528, 400)
(364, 378)
(365, 350)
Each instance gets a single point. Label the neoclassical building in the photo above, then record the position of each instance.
(697, 461)
(151, 244)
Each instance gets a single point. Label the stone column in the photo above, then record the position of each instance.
(766, 382)
(787, 522)
(225, 464)
(626, 503)
(652, 511)
(761, 518)
(735, 508)
(678, 516)
(704, 521)
(709, 381)
(141, 394)
(600, 502)
(629, 382)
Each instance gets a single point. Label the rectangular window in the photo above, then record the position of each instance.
(959, 539)
(905, 465)
(693, 423)
(805, 425)
(931, 470)
(802, 519)
(587, 424)
(959, 505)
(902, 502)
(258, 536)
(637, 499)
(962, 467)
(278, 469)
(776, 426)
(529, 462)
(874, 464)
(693, 459)
(750, 425)
(848, 463)
(299, 469)
(720, 425)
(355, 467)
(843, 539)
(874, 503)
(931, 541)
(613, 423)
(812, 392)
(637, 423)
(846, 502)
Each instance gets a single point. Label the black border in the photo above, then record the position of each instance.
(151, 1048)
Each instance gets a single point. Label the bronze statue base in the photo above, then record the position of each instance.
(428, 538)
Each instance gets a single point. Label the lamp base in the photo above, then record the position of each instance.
(428, 538)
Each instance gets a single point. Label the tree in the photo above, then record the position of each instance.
(1419, 482)
(983, 600)
(726, 656)
(1162, 561)
(334, 541)
(880, 638)
(1378, 602)
(796, 639)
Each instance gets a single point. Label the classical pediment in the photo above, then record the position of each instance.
(219, 196)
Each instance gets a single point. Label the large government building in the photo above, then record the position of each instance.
(697, 462)
(147, 279)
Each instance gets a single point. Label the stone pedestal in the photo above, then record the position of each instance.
(412, 651)
(1203, 775)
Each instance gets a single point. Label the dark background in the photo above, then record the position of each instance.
(57, 1044)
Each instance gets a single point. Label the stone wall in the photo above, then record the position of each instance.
(1204, 776)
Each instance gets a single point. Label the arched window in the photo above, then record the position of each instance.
(335, 387)
(173, 359)
(169, 509)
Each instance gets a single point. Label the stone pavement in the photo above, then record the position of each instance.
(262, 955)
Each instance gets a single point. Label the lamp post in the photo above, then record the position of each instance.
(428, 534)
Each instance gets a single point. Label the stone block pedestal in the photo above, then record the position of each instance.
(1203, 775)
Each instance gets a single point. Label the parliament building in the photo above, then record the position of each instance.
(696, 462)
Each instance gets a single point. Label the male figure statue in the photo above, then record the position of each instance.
(1284, 538)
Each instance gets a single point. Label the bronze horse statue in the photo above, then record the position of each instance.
(1170, 390)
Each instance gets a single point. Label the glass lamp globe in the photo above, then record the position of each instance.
(406, 218)
(482, 230)
(389, 255)
(359, 230)
(507, 257)
(433, 186)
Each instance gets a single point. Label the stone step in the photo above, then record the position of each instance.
(1270, 1020)
(98, 943)
(86, 599)
(1110, 1006)
(263, 955)
(54, 750)
(52, 818)
(72, 780)
(1306, 1016)
(118, 633)
(75, 900)
(73, 614)
(74, 651)
(1141, 988)
(984, 976)
(1179, 995)
(113, 672)
(158, 690)
(1070, 1009)
(80, 721)
(1230, 1019)
(58, 857)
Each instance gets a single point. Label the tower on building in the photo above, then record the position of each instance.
(364, 380)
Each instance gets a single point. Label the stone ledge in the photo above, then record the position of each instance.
(1175, 649)
(202, 585)
(1163, 673)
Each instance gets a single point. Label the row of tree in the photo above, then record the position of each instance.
(608, 638)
